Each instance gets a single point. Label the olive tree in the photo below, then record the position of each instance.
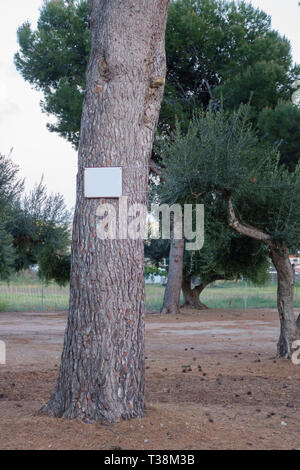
(221, 158)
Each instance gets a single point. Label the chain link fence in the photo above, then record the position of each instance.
(33, 297)
(28, 293)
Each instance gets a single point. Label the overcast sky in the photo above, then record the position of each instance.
(22, 124)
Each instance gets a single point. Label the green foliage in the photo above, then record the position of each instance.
(34, 229)
(54, 265)
(226, 255)
(219, 150)
(220, 156)
(258, 82)
(54, 58)
(6, 253)
(228, 50)
(223, 48)
(282, 125)
(10, 185)
(151, 271)
(214, 47)
(157, 250)
(10, 189)
(41, 235)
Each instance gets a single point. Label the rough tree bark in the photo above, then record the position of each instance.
(289, 331)
(289, 326)
(171, 302)
(101, 376)
(191, 297)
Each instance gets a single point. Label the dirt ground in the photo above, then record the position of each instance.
(212, 383)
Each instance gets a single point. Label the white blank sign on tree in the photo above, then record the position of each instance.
(103, 182)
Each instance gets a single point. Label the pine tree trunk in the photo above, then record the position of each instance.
(289, 331)
(191, 297)
(101, 375)
(171, 303)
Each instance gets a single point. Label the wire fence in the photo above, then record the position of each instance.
(38, 297)
(23, 294)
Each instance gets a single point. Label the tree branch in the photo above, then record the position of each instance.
(245, 229)
(218, 277)
(155, 168)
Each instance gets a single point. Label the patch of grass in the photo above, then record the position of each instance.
(3, 306)
(26, 293)
(154, 297)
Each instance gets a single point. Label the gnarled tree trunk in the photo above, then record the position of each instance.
(289, 327)
(191, 297)
(171, 303)
(289, 331)
(101, 375)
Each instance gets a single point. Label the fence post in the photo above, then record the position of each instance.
(246, 295)
(42, 296)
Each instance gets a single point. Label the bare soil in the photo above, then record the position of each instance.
(212, 383)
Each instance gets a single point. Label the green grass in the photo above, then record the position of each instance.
(227, 295)
(232, 294)
(25, 298)
(24, 293)
(3, 306)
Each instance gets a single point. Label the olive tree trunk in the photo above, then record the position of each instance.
(289, 331)
(191, 297)
(171, 302)
(101, 376)
(289, 326)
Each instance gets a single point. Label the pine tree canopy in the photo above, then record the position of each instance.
(215, 48)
